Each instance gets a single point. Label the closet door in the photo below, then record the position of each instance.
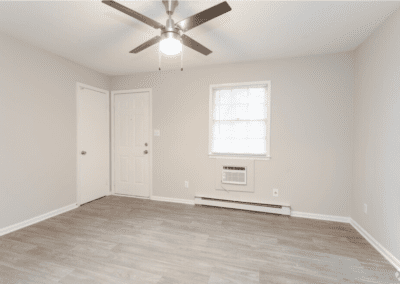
(93, 144)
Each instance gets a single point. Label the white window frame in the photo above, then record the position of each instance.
(268, 123)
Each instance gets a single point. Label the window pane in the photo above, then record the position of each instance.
(258, 95)
(240, 104)
(224, 97)
(239, 120)
(239, 137)
(241, 96)
(239, 129)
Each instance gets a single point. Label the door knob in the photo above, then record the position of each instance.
(83, 152)
(145, 151)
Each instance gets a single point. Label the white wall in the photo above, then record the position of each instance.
(311, 130)
(38, 130)
(376, 168)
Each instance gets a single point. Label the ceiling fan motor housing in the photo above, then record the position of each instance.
(170, 31)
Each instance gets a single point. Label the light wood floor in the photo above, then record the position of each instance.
(127, 240)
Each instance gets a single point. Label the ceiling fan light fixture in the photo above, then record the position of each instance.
(170, 46)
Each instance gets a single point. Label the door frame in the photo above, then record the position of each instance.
(113, 93)
(81, 86)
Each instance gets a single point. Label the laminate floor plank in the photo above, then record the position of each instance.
(42, 269)
(10, 275)
(126, 240)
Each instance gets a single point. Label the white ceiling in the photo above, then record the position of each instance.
(99, 37)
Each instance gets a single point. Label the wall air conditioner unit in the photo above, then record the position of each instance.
(234, 175)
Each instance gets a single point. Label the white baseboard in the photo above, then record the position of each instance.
(37, 219)
(174, 200)
(130, 196)
(321, 217)
(383, 251)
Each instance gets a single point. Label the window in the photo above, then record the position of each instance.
(239, 120)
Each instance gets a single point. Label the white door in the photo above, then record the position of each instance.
(93, 144)
(131, 143)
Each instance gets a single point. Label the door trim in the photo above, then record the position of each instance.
(80, 86)
(113, 93)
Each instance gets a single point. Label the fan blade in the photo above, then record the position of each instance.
(134, 14)
(147, 44)
(202, 17)
(189, 42)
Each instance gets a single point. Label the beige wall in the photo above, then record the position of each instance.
(38, 130)
(311, 131)
(377, 135)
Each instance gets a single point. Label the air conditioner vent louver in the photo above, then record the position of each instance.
(234, 175)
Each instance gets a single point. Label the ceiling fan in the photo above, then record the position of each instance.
(172, 37)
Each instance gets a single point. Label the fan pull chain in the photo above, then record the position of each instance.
(182, 59)
(159, 60)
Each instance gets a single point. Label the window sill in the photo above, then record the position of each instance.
(238, 157)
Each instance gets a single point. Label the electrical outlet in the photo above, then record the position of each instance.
(365, 208)
(275, 192)
(186, 184)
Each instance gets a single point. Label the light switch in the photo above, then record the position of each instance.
(156, 132)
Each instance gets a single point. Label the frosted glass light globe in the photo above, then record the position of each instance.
(170, 46)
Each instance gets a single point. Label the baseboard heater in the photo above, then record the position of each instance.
(259, 207)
